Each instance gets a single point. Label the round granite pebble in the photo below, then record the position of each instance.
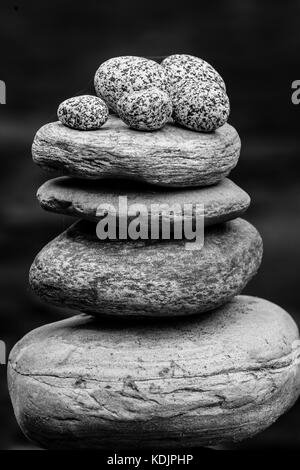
(201, 106)
(182, 67)
(124, 74)
(78, 198)
(146, 277)
(145, 110)
(198, 381)
(83, 112)
(173, 156)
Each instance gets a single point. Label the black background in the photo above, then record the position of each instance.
(51, 50)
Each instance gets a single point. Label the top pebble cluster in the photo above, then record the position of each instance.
(146, 95)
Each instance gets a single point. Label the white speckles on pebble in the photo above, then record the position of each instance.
(201, 106)
(148, 109)
(83, 112)
(126, 74)
(197, 91)
(182, 67)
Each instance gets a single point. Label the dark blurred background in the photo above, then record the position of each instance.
(50, 51)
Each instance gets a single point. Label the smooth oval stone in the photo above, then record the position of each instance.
(83, 112)
(126, 74)
(201, 106)
(222, 377)
(79, 198)
(182, 67)
(173, 156)
(146, 277)
(145, 110)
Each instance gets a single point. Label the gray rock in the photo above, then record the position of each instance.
(173, 156)
(182, 67)
(145, 110)
(146, 277)
(83, 112)
(126, 74)
(79, 198)
(198, 93)
(201, 106)
(197, 381)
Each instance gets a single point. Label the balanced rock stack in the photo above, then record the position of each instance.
(165, 351)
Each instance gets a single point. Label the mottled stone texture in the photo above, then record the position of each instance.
(198, 93)
(173, 156)
(182, 67)
(191, 382)
(126, 74)
(79, 198)
(202, 107)
(145, 110)
(146, 277)
(83, 112)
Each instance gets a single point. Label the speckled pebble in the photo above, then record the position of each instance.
(124, 74)
(182, 67)
(201, 106)
(83, 112)
(145, 110)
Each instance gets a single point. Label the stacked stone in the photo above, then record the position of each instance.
(166, 352)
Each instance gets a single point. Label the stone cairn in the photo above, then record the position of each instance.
(165, 352)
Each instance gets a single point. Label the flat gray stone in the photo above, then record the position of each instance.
(145, 277)
(172, 156)
(78, 198)
(197, 381)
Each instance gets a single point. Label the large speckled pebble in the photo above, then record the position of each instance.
(78, 384)
(80, 198)
(173, 157)
(124, 74)
(182, 67)
(83, 112)
(145, 110)
(146, 277)
(201, 106)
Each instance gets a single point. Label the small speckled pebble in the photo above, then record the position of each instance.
(145, 110)
(124, 74)
(201, 106)
(182, 67)
(83, 112)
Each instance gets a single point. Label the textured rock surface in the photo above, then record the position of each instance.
(192, 382)
(146, 110)
(201, 106)
(83, 112)
(146, 277)
(182, 67)
(172, 156)
(78, 198)
(124, 74)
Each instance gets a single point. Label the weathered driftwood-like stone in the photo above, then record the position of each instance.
(173, 156)
(78, 198)
(146, 277)
(196, 381)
